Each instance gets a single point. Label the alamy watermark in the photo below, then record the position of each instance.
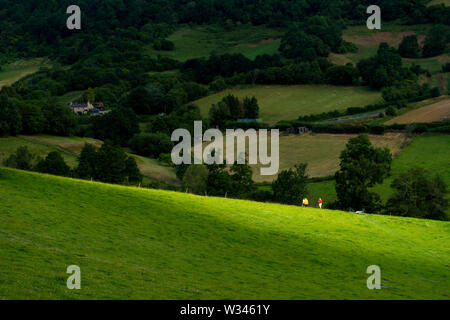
(374, 21)
(74, 21)
(374, 281)
(213, 152)
(74, 280)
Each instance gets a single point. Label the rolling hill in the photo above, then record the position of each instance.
(135, 243)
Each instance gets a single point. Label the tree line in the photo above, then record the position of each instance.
(107, 164)
(417, 193)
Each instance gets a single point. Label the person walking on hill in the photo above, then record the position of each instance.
(305, 202)
(320, 203)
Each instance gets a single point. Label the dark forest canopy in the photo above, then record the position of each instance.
(108, 54)
(38, 28)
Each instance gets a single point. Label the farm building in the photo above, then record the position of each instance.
(84, 108)
(297, 130)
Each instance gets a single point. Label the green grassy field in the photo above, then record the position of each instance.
(12, 72)
(431, 152)
(289, 102)
(201, 41)
(133, 243)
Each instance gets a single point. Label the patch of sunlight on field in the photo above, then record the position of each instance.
(136, 243)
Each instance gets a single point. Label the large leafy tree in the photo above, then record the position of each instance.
(219, 181)
(21, 159)
(118, 126)
(409, 47)
(251, 108)
(53, 164)
(384, 69)
(59, 118)
(145, 100)
(151, 144)
(132, 171)
(362, 166)
(108, 164)
(10, 117)
(243, 184)
(418, 194)
(290, 187)
(87, 162)
(436, 41)
(195, 178)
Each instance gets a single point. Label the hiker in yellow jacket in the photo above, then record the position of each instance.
(305, 202)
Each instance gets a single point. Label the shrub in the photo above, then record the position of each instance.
(390, 111)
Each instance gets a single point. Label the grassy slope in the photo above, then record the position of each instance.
(201, 41)
(12, 72)
(289, 102)
(137, 243)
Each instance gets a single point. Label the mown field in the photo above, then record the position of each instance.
(201, 41)
(12, 72)
(320, 151)
(133, 243)
(289, 102)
